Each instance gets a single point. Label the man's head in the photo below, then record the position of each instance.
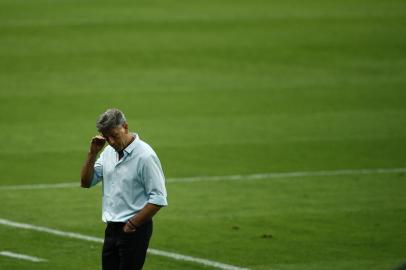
(112, 124)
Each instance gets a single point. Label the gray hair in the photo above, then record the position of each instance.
(110, 119)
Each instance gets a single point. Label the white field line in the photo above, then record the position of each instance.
(237, 177)
(21, 256)
(40, 186)
(287, 175)
(79, 236)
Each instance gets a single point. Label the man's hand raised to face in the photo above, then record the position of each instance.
(97, 144)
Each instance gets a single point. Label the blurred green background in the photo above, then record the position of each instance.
(217, 88)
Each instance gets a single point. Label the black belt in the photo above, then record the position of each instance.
(118, 225)
(115, 225)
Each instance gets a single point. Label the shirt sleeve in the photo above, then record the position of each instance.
(97, 170)
(154, 181)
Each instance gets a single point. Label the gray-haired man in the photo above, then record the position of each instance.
(133, 190)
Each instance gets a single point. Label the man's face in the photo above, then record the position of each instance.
(117, 137)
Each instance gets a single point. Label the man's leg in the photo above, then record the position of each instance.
(110, 255)
(133, 247)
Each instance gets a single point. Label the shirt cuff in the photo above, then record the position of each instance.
(158, 200)
(95, 179)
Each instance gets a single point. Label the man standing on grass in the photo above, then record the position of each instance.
(133, 190)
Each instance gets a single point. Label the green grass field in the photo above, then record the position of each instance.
(217, 88)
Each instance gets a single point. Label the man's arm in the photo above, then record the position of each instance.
(154, 184)
(86, 173)
(142, 217)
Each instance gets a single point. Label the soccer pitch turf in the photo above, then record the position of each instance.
(218, 88)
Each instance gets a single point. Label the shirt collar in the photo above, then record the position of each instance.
(132, 145)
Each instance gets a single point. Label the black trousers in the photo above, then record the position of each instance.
(125, 251)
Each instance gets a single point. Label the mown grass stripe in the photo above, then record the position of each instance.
(79, 236)
(237, 177)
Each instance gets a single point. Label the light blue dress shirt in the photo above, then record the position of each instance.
(129, 183)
